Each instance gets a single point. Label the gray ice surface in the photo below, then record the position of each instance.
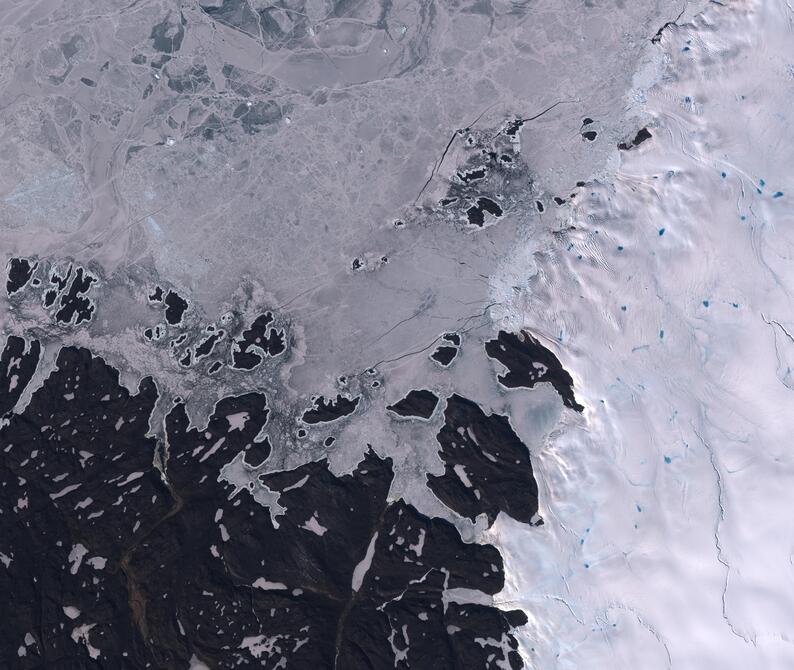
(248, 164)
(251, 165)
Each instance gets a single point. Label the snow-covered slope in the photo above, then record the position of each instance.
(669, 536)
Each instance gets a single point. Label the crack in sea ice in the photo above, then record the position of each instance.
(647, 626)
(718, 543)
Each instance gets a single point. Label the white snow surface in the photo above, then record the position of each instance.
(669, 539)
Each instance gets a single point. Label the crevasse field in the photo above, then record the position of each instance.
(670, 542)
